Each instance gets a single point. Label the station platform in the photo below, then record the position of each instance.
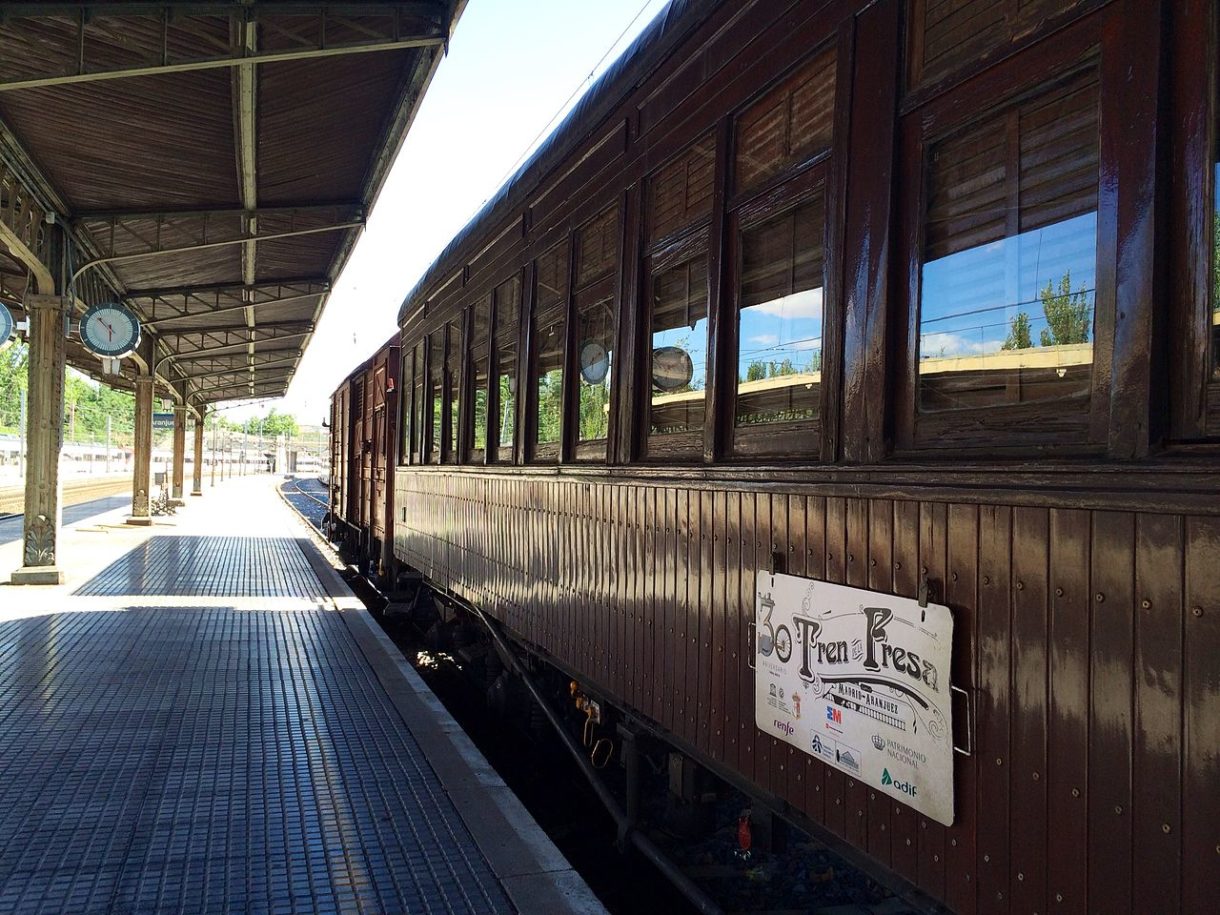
(204, 719)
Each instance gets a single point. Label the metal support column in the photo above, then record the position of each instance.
(45, 432)
(179, 469)
(141, 479)
(197, 469)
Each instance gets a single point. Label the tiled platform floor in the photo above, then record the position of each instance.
(162, 758)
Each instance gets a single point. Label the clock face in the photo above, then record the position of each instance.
(672, 368)
(594, 362)
(110, 330)
(6, 326)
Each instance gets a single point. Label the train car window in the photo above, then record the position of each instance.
(480, 329)
(453, 385)
(680, 193)
(405, 414)
(1215, 313)
(436, 367)
(678, 332)
(595, 333)
(506, 312)
(789, 125)
(594, 307)
(779, 332)
(1009, 258)
(550, 335)
(417, 405)
(948, 35)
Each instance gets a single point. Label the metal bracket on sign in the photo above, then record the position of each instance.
(968, 750)
(751, 643)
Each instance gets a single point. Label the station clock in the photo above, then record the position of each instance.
(110, 330)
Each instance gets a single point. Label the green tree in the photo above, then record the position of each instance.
(756, 371)
(1067, 313)
(1018, 333)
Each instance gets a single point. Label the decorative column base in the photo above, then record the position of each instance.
(196, 492)
(140, 521)
(38, 575)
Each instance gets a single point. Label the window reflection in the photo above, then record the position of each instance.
(1216, 276)
(679, 348)
(453, 386)
(506, 389)
(435, 395)
(779, 331)
(595, 350)
(549, 375)
(1011, 320)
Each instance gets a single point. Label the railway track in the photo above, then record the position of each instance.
(307, 497)
(76, 491)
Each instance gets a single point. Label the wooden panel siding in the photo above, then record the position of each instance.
(1054, 611)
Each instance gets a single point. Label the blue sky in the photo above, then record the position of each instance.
(511, 66)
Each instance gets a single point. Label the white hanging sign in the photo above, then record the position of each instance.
(859, 680)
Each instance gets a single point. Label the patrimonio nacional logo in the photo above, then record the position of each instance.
(888, 781)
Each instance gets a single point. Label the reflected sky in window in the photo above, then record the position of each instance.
(784, 330)
(971, 299)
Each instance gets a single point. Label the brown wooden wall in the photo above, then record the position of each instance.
(1086, 586)
(1088, 636)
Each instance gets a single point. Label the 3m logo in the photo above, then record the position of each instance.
(834, 715)
(907, 788)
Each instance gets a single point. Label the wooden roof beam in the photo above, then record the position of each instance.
(353, 207)
(207, 313)
(234, 328)
(237, 348)
(394, 32)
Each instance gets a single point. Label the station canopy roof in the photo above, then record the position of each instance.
(212, 164)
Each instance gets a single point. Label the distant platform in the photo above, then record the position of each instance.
(203, 719)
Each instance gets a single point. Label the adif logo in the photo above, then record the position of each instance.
(784, 726)
(907, 788)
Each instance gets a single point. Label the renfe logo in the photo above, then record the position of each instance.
(905, 787)
(784, 726)
(833, 714)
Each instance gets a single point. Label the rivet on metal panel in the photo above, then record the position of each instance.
(872, 563)
(1197, 611)
(1075, 792)
(935, 858)
(850, 783)
(1118, 809)
(986, 858)
(1059, 592)
(999, 761)
(1020, 586)
(908, 842)
(898, 566)
(1059, 897)
(1166, 828)
(1036, 776)
(986, 579)
(953, 576)
(1100, 598)
(953, 842)
(1145, 603)
(872, 795)
(851, 557)
(1021, 877)
(838, 801)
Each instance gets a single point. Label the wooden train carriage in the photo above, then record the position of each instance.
(364, 424)
(871, 293)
